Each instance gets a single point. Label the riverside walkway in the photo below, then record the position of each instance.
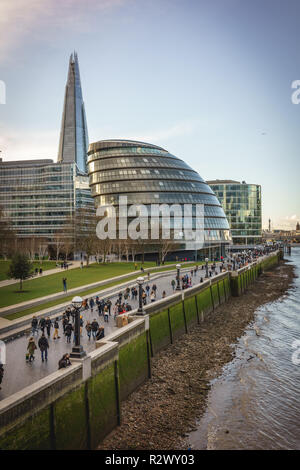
(19, 374)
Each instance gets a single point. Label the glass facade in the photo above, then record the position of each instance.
(148, 174)
(73, 144)
(39, 196)
(242, 205)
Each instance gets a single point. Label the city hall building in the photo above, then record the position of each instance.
(148, 174)
(242, 205)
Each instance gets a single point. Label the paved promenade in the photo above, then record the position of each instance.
(19, 374)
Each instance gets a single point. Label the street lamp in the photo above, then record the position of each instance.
(77, 350)
(178, 266)
(140, 281)
(206, 266)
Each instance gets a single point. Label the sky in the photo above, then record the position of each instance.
(209, 80)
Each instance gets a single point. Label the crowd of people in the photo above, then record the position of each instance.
(101, 307)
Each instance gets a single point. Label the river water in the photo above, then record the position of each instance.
(255, 403)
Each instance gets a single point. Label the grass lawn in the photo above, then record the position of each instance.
(85, 293)
(42, 286)
(4, 267)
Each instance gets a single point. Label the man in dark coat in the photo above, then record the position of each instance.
(43, 345)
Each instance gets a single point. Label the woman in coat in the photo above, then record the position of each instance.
(31, 348)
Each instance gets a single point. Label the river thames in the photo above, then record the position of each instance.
(254, 404)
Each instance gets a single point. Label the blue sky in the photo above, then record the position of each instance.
(210, 80)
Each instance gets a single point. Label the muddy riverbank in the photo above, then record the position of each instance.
(162, 412)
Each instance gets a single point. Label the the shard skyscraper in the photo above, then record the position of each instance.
(73, 143)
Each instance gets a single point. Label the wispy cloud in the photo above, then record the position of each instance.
(22, 19)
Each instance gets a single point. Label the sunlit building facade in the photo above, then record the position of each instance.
(242, 205)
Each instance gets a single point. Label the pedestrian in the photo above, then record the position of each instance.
(42, 324)
(88, 328)
(81, 264)
(65, 321)
(95, 326)
(92, 303)
(108, 303)
(106, 313)
(152, 296)
(64, 281)
(48, 326)
(41, 271)
(81, 324)
(1, 373)
(148, 290)
(68, 312)
(43, 345)
(164, 294)
(173, 284)
(100, 333)
(56, 327)
(68, 332)
(34, 325)
(154, 288)
(31, 347)
(64, 361)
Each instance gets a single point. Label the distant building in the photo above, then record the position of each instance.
(242, 205)
(40, 196)
(297, 227)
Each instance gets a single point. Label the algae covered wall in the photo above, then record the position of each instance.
(78, 407)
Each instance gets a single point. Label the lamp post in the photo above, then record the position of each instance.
(178, 266)
(140, 281)
(206, 267)
(77, 350)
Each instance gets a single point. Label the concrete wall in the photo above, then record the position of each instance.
(77, 407)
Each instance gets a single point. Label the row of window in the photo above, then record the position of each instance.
(130, 151)
(134, 162)
(142, 173)
(159, 198)
(129, 186)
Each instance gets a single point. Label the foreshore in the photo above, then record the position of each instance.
(163, 411)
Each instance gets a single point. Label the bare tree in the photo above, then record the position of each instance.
(7, 235)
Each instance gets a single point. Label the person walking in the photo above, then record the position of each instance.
(173, 283)
(43, 345)
(106, 313)
(152, 296)
(95, 326)
(42, 324)
(68, 313)
(34, 325)
(148, 290)
(88, 328)
(31, 347)
(108, 303)
(68, 332)
(92, 304)
(48, 326)
(65, 321)
(164, 294)
(64, 281)
(56, 327)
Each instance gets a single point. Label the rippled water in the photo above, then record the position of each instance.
(255, 403)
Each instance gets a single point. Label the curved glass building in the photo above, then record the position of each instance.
(148, 174)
